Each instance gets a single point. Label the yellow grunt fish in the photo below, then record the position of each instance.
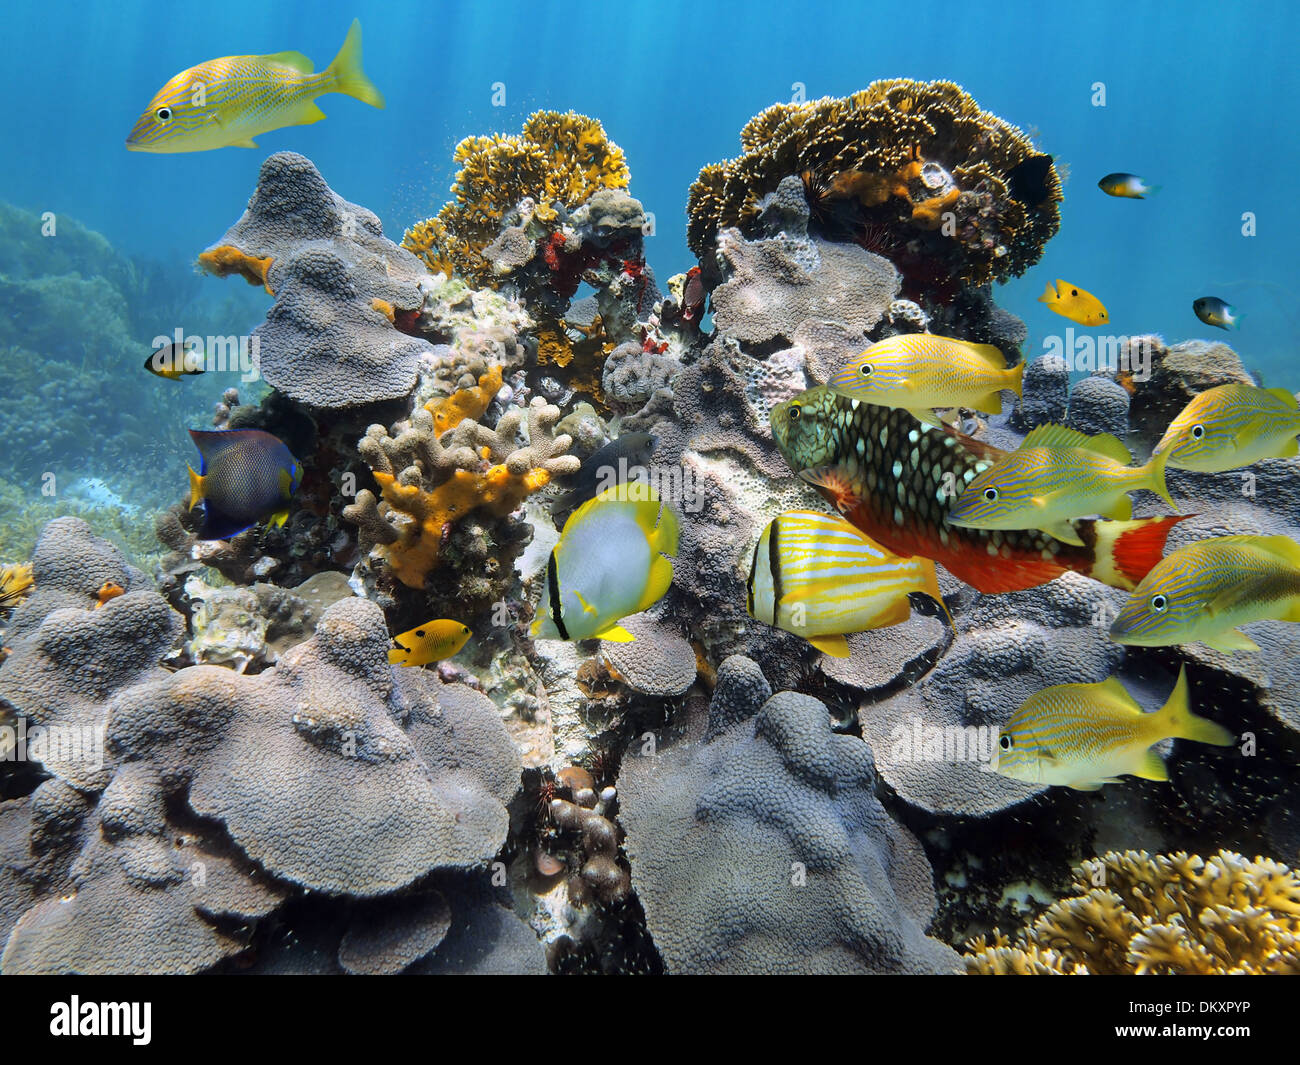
(1231, 426)
(1058, 474)
(919, 372)
(1202, 592)
(1072, 302)
(1085, 735)
(430, 642)
(817, 576)
(229, 101)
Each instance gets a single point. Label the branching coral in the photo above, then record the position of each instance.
(1162, 914)
(558, 161)
(887, 164)
(427, 486)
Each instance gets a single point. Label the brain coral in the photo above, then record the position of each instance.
(328, 340)
(883, 166)
(332, 770)
(1163, 914)
(558, 161)
(763, 849)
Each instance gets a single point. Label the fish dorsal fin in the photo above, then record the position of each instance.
(990, 354)
(1284, 396)
(1113, 689)
(1282, 546)
(212, 443)
(1060, 436)
(293, 60)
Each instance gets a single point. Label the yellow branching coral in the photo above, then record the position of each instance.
(1164, 914)
(15, 583)
(902, 154)
(560, 159)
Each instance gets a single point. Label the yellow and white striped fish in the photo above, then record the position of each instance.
(1231, 426)
(815, 575)
(1085, 735)
(1202, 592)
(230, 101)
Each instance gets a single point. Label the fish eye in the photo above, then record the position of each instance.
(163, 113)
(1198, 431)
(1158, 603)
(794, 413)
(991, 494)
(1005, 742)
(1074, 292)
(866, 370)
(1103, 316)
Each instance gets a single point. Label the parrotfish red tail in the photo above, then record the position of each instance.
(1125, 551)
(349, 78)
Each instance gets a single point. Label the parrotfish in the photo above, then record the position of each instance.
(605, 467)
(230, 101)
(918, 372)
(1213, 311)
(895, 478)
(1231, 426)
(246, 476)
(1127, 186)
(1072, 302)
(174, 361)
(1202, 592)
(609, 563)
(1058, 474)
(817, 576)
(1085, 735)
(431, 642)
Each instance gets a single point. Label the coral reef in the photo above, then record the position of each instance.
(1164, 914)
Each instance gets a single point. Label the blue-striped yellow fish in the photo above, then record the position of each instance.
(1057, 474)
(1085, 735)
(431, 642)
(815, 575)
(609, 563)
(230, 101)
(1231, 426)
(1072, 302)
(919, 372)
(246, 476)
(1202, 592)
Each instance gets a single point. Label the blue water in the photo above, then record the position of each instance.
(1199, 99)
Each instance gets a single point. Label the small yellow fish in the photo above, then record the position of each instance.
(230, 101)
(609, 563)
(918, 372)
(1231, 426)
(174, 361)
(1058, 474)
(1127, 186)
(815, 575)
(1203, 591)
(1072, 302)
(430, 642)
(1085, 735)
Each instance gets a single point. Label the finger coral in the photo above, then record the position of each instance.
(426, 485)
(558, 161)
(916, 169)
(1163, 914)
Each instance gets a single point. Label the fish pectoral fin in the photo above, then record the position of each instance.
(1121, 511)
(1151, 767)
(835, 646)
(196, 488)
(587, 608)
(924, 416)
(1230, 640)
(616, 634)
(1063, 531)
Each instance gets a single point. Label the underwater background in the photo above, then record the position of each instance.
(277, 634)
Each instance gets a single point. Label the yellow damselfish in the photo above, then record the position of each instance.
(918, 372)
(1072, 302)
(1231, 426)
(431, 642)
(1058, 474)
(1202, 592)
(1085, 735)
(817, 576)
(230, 101)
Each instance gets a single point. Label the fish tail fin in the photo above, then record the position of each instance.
(1126, 551)
(1155, 479)
(1237, 316)
(930, 585)
(1016, 378)
(196, 488)
(349, 78)
(1152, 190)
(1049, 294)
(1176, 719)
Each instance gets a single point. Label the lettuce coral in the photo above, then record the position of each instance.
(1162, 914)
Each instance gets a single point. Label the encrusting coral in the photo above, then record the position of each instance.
(1163, 914)
(558, 161)
(914, 170)
(426, 485)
